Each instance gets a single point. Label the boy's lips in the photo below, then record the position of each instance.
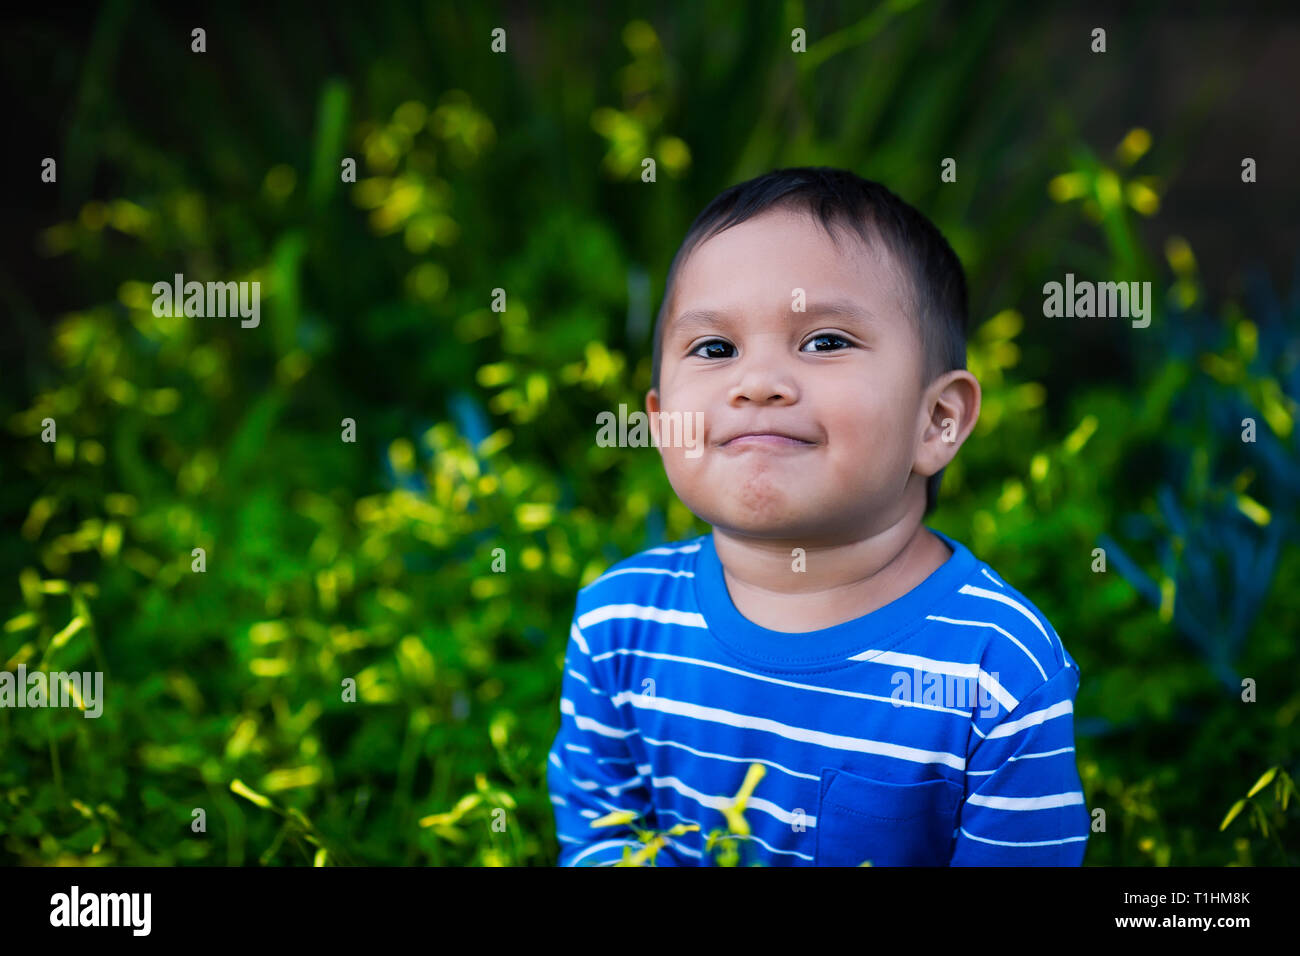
(765, 439)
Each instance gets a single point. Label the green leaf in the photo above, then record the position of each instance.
(1232, 814)
(84, 839)
(331, 128)
(1257, 813)
(1262, 782)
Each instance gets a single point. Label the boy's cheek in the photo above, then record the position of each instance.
(684, 474)
(675, 464)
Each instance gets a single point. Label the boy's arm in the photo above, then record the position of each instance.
(1024, 803)
(590, 770)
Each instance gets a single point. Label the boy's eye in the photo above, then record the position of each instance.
(822, 337)
(712, 344)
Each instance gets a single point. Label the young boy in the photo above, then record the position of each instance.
(908, 707)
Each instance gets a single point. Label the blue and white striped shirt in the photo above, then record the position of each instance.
(937, 730)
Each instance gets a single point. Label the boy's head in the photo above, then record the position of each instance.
(865, 366)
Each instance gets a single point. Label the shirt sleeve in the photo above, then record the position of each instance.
(590, 770)
(1024, 801)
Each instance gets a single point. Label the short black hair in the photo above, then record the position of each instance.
(837, 197)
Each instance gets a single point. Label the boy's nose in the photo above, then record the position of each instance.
(763, 383)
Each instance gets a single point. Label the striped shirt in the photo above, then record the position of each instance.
(937, 730)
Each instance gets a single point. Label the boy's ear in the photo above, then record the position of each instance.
(953, 406)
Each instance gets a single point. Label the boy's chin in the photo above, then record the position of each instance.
(769, 523)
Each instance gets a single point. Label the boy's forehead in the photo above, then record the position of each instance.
(841, 306)
(725, 274)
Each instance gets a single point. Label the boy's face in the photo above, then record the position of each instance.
(846, 388)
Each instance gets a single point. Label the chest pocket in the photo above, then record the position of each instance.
(890, 824)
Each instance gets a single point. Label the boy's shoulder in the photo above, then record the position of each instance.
(643, 575)
(1021, 642)
(673, 558)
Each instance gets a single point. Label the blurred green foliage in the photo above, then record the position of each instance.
(329, 561)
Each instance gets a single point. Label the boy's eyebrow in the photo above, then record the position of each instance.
(708, 318)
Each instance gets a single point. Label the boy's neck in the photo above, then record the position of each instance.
(839, 582)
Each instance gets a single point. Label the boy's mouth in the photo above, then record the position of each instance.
(765, 440)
